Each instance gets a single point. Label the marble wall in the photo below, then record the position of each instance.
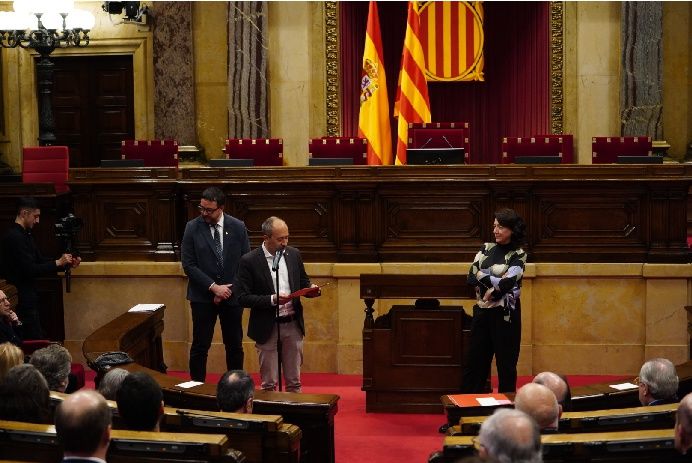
(577, 318)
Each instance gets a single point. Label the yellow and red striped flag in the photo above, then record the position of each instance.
(412, 101)
(373, 119)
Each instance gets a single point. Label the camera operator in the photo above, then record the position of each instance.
(22, 263)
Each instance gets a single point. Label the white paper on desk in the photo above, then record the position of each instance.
(189, 384)
(488, 401)
(145, 307)
(623, 386)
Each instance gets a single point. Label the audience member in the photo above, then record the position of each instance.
(54, 364)
(560, 387)
(140, 402)
(109, 385)
(235, 392)
(9, 322)
(24, 395)
(683, 425)
(83, 427)
(539, 403)
(10, 356)
(510, 436)
(658, 382)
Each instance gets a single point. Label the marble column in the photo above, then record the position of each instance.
(248, 92)
(641, 89)
(174, 93)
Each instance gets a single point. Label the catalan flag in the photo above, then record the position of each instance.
(373, 119)
(412, 101)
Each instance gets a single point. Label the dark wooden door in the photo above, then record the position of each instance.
(93, 106)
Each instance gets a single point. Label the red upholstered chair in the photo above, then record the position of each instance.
(530, 146)
(154, 153)
(46, 164)
(605, 150)
(263, 151)
(339, 147)
(567, 142)
(440, 135)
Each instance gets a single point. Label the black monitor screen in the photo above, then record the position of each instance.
(419, 156)
(640, 160)
(116, 163)
(330, 161)
(537, 160)
(236, 162)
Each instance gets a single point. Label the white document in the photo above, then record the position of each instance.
(623, 386)
(488, 401)
(189, 384)
(145, 307)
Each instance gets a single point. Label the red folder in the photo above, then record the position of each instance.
(470, 400)
(307, 292)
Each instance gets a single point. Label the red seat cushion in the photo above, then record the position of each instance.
(77, 369)
(530, 146)
(154, 153)
(339, 147)
(46, 164)
(567, 142)
(263, 151)
(440, 135)
(605, 150)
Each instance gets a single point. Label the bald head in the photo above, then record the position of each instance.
(82, 423)
(510, 435)
(683, 425)
(540, 403)
(558, 385)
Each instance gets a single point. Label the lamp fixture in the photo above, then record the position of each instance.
(44, 25)
(135, 13)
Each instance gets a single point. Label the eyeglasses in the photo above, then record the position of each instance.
(206, 210)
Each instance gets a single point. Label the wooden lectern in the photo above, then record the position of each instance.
(414, 353)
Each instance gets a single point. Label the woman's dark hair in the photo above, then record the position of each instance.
(24, 395)
(510, 219)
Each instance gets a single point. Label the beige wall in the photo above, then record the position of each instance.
(576, 318)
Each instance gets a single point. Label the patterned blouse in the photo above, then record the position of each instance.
(502, 267)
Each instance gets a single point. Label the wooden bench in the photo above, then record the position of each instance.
(39, 443)
(622, 419)
(261, 438)
(400, 376)
(584, 398)
(650, 446)
(312, 413)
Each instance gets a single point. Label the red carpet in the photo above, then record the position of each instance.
(380, 437)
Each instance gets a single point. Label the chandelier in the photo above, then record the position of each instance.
(44, 25)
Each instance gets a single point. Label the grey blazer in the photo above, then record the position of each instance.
(199, 258)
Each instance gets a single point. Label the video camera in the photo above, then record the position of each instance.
(66, 230)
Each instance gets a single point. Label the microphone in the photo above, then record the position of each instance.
(445, 139)
(426, 142)
(277, 258)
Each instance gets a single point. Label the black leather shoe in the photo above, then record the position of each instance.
(443, 429)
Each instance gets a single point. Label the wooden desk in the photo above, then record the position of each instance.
(312, 413)
(411, 356)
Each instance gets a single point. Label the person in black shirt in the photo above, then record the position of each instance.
(496, 273)
(8, 322)
(22, 263)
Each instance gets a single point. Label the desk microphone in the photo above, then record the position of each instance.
(426, 142)
(277, 258)
(445, 139)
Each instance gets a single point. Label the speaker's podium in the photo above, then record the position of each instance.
(413, 354)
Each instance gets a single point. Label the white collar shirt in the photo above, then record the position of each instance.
(284, 284)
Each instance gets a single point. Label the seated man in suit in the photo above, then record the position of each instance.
(83, 427)
(9, 322)
(658, 382)
(540, 403)
(683, 425)
(54, 363)
(256, 289)
(140, 402)
(235, 392)
(510, 435)
(560, 387)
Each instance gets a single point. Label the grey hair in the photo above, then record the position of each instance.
(503, 435)
(54, 363)
(659, 374)
(109, 385)
(268, 225)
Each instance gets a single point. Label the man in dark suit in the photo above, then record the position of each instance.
(83, 426)
(22, 263)
(257, 290)
(211, 249)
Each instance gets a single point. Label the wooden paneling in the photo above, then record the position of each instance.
(574, 213)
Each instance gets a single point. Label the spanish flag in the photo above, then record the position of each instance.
(412, 102)
(373, 120)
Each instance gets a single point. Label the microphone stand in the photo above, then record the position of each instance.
(275, 267)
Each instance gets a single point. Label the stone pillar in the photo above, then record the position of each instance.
(641, 89)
